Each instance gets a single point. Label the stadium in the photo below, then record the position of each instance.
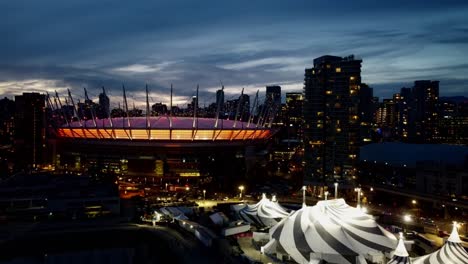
(164, 129)
(162, 147)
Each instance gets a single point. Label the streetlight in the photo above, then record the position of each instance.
(166, 186)
(358, 190)
(406, 218)
(303, 196)
(204, 200)
(326, 195)
(241, 188)
(336, 190)
(262, 251)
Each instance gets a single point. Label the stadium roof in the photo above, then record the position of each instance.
(163, 128)
(162, 122)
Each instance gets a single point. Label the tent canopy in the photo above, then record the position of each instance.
(400, 255)
(265, 213)
(333, 231)
(451, 252)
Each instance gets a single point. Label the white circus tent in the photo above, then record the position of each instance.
(451, 252)
(400, 255)
(332, 231)
(265, 213)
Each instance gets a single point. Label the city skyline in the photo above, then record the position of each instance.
(54, 46)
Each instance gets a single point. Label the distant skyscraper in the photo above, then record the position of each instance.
(104, 105)
(293, 114)
(30, 126)
(426, 97)
(220, 98)
(7, 112)
(331, 132)
(274, 93)
(386, 118)
(366, 113)
(405, 111)
(193, 105)
(453, 121)
(273, 102)
(244, 108)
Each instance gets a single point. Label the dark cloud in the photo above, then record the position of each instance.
(242, 44)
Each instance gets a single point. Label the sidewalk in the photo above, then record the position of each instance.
(246, 245)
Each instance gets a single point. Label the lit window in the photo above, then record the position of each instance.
(338, 69)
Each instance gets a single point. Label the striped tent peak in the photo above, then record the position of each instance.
(454, 237)
(266, 208)
(401, 249)
(451, 252)
(264, 213)
(400, 255)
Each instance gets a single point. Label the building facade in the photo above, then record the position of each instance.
(30, 129)
(331, 115)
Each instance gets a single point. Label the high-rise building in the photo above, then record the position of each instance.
(7, 112)
(426, 97)
(30, 126)
(453, 121)
(273, 104)
(405, 114)
(244, 108)
(331, 114)
(386, 118)
(220, 99)
(366, 113)
(273, 93)
(193, 106)
(293, 115)
(104, 105)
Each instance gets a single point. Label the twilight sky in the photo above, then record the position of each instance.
(54, 45)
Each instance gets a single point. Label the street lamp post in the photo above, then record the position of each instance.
(204, 200)
(326, 195)
(303, 196)
(358, 190)
(336, 190)
(406, 219)
(241, 188)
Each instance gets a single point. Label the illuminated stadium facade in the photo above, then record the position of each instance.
(164, 129)
(165, 146)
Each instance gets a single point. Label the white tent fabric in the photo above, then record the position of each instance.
(451, 252)
(400, 256)
(265, 213)
(332, 231)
